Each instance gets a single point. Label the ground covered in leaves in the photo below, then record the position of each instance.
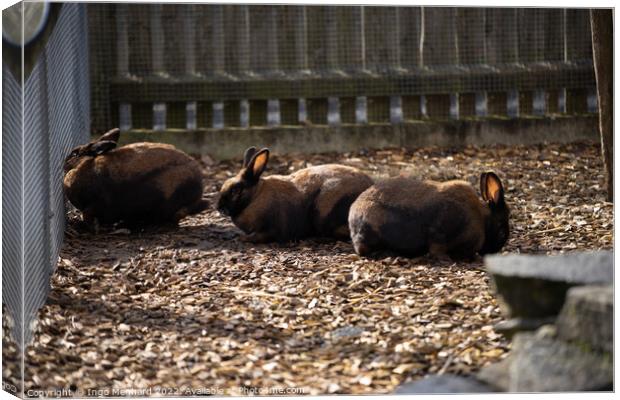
(196, 311)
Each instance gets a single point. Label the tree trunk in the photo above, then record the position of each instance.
(602, 47)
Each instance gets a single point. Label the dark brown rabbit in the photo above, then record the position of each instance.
(140, 184)
(413, 217)
(313, 201)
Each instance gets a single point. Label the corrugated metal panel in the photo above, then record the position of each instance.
(12, 251)
(56, 118)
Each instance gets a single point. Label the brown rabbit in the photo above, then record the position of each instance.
(140, 184)
(413, 217)
(313, 201)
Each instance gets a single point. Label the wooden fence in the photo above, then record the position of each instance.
(195, 66)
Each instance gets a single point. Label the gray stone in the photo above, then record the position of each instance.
(347, 331)
(443, 384)
(512, 326)
(588, 317)
(536, 286)
(496, 375)
(540, 364)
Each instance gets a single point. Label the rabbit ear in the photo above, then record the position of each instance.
(111, 136)
(247, 156)
(483, 186)
(100, 147)
(493, 191)
(257, 165)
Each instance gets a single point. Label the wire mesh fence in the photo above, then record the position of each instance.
(37, 135)
(194, 66)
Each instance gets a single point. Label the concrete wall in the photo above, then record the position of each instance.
(229, 143)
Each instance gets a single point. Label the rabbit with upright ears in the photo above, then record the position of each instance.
(140, 183)
(413, 217)
(313, 201)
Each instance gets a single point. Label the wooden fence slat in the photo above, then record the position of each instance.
(381, 31)
(361, 110)
(410, 30)
(172, 47)
(122, 42)
(242, 38)
(218, 53)
(531, 35)
(331, 44)
(139, 39)
(300, 23)
(554, 34)
(352, 39)
(471, 35)
(157, 39)
(104, 63)
(502, 45)
(333, 111)
(263, 39)
(188, 21)
(578, 36)
(191, 117)
(316, 38)
(440, 46)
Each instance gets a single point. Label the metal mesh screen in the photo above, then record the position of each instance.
(193, 66)
(56, 118)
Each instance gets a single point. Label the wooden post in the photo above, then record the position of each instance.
(191, 120)
(361, 110)
(602, 44)
(159, 116)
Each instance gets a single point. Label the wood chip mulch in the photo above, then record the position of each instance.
(193, 310)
